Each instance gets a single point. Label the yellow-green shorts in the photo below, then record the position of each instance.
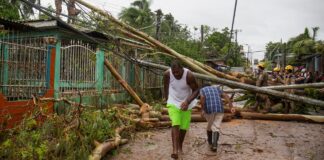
(179, 117)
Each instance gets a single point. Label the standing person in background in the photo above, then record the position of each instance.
(262, 80)
(276, 78)
(213, 111)
(180, 89)
(289, 79)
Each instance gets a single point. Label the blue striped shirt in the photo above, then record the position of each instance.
(213, 100)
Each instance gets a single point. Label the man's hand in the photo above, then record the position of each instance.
(184, 106)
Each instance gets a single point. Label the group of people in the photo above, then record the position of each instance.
(180, 91)
(287, 76)
(301, 75)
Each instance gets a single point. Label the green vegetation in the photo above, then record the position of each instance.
(52, 140)
(8, 11)
(14, 9)
(302, 44)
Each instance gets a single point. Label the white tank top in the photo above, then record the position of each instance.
(179, 90)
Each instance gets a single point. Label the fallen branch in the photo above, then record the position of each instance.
(66, 101)
(102, 148)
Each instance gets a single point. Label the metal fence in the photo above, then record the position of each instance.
(111, 85)
(77, 67)
(25, 61)
(23, 68)
(152, 78)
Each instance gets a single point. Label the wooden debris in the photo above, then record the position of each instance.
(102, 148)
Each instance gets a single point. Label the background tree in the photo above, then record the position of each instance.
(139, 15)
(300, 45)
(9, 9)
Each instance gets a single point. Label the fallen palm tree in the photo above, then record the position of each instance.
(283, 87)
(199, 67)
(195, 65)
(144, 110)
(251, 88)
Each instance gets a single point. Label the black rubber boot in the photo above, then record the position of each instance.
(215, 137)
(210, 135)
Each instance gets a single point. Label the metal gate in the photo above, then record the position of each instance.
(24, 69)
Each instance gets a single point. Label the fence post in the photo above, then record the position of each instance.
(5, 69)
(48, 65)
(99, 70)
(57, 72)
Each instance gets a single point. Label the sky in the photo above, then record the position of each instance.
(259, 21)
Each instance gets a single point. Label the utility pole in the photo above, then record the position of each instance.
(159, 15)
(201, 36)
(236, 47)
(233, 20)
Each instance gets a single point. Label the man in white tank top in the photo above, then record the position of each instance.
(180, 89)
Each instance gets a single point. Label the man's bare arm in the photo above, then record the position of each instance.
(227, 99)
(191, 81)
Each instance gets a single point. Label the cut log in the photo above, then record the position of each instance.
(283, 117)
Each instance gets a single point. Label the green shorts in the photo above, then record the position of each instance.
(179, 117)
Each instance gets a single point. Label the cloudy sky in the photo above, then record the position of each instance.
(260, 21)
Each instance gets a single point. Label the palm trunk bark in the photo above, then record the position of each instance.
(120, 79)
(282, 87)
